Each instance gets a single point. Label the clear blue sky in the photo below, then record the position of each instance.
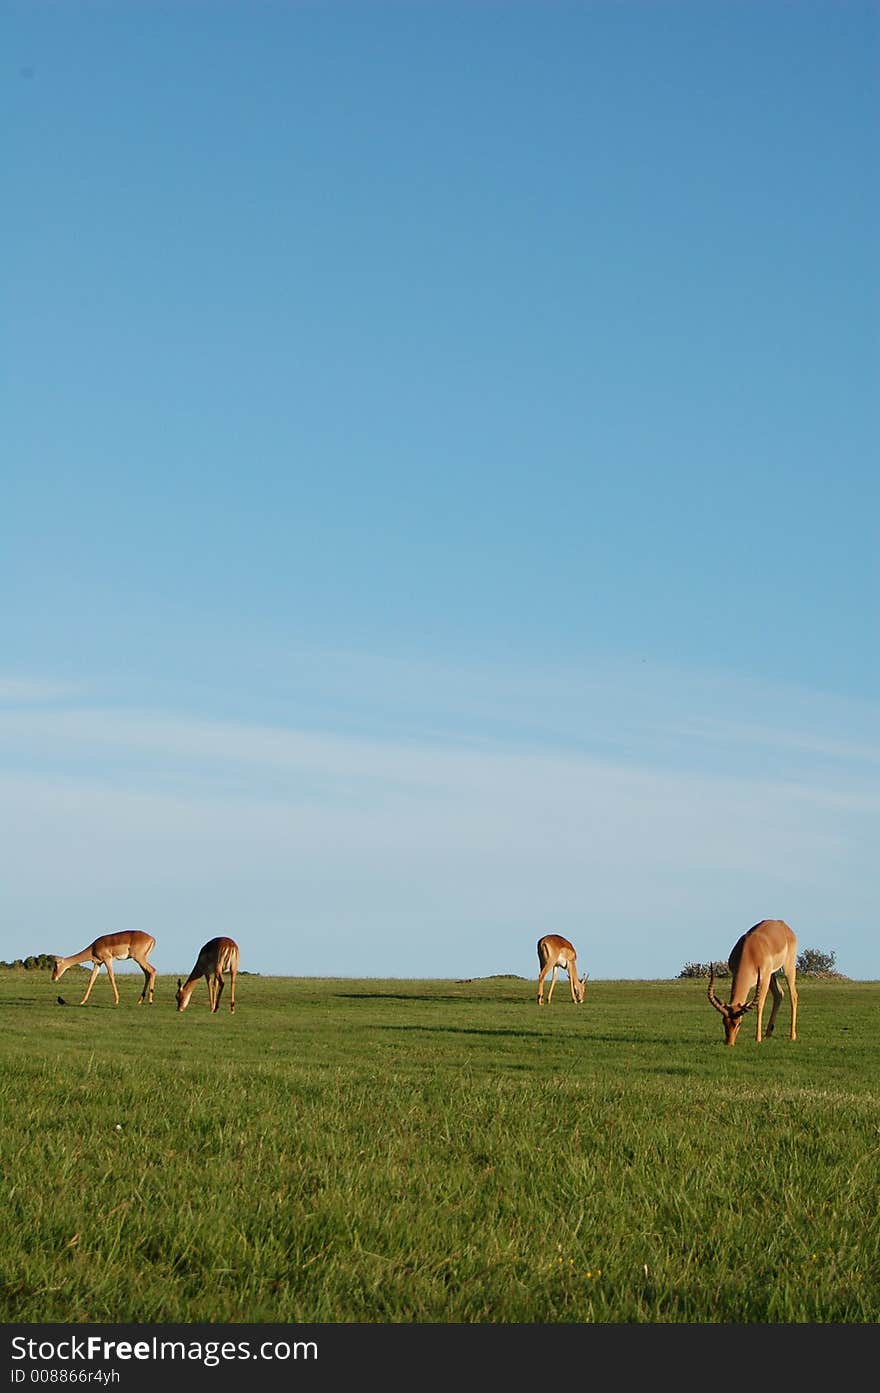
(441, 489)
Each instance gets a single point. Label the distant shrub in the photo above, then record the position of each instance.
(33, 962)
(703, 970)
(812, 962)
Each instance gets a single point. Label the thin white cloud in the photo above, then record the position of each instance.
(199, 748)
(780, 738)
(420, 857)
(27, 690)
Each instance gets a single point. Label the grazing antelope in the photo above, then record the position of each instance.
(753, 961)
(554, 953)
(137, 946)
(215, 958)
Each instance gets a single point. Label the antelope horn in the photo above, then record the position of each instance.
(719, 1006)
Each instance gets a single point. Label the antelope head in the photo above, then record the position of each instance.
(731, 1014)
(580, 988)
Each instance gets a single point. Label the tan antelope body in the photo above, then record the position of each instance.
(754, 958)
(555, 952)
(216, 957)
(110, 947)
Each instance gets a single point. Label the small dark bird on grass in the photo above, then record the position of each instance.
(61, 1001)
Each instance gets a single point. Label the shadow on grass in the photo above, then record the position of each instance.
(535, 1033)
(402, 996)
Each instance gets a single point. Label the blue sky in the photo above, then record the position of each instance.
(441, 498)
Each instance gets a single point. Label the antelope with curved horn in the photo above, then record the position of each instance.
(555, 952)
(216, 957)
(137, 946)
(753, 961)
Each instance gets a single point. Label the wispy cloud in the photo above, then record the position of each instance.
(27, 690)
(777, 738)
(431, 856)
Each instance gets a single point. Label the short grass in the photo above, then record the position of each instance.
(434, 1151)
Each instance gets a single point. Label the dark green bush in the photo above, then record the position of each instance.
(812, 962)
(703, 970)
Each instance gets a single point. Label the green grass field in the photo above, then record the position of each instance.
(433, 1151)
